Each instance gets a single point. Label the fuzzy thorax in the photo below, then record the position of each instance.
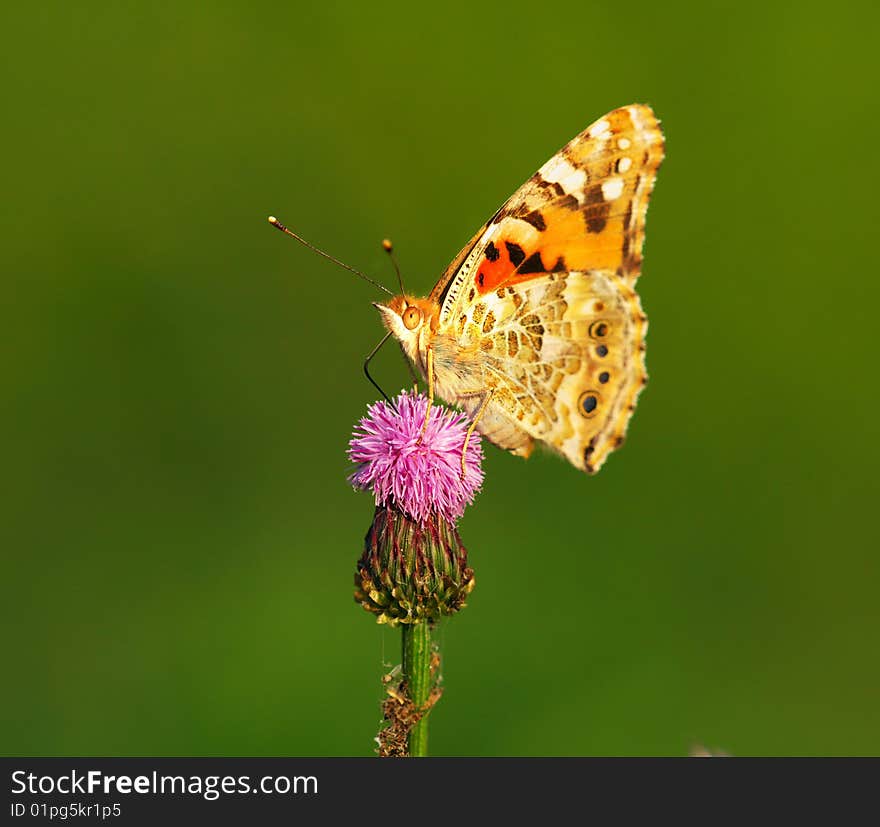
(458, 369)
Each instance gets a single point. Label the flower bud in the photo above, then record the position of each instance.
(412, 571)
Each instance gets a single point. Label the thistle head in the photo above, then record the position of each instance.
(414, 566)
(416, 471)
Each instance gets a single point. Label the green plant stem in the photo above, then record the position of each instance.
(417, 675)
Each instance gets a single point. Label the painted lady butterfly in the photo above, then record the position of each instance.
(535, 328)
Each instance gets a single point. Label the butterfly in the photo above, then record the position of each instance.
(535, 329)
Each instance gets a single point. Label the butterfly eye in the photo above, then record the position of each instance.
(412, 318)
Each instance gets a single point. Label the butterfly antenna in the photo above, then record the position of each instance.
(278, 225)
(388, 247)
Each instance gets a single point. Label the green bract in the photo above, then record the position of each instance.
(412, 572)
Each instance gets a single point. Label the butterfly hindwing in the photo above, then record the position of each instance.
(562, 356)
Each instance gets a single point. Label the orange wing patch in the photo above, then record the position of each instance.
(583, 210)
(564, 244)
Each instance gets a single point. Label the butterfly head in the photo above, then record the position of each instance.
(411, 320)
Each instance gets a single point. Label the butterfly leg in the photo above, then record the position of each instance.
(486, 399)
(429, 361)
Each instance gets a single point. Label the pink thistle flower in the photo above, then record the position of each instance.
(417, 476)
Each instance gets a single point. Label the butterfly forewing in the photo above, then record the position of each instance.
(584, 209)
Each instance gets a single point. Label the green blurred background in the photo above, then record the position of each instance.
(179, 381)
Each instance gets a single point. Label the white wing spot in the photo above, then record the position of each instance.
(612, 188)
(624, 143)
(559, 171)
(623, 164)
(599, 128)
